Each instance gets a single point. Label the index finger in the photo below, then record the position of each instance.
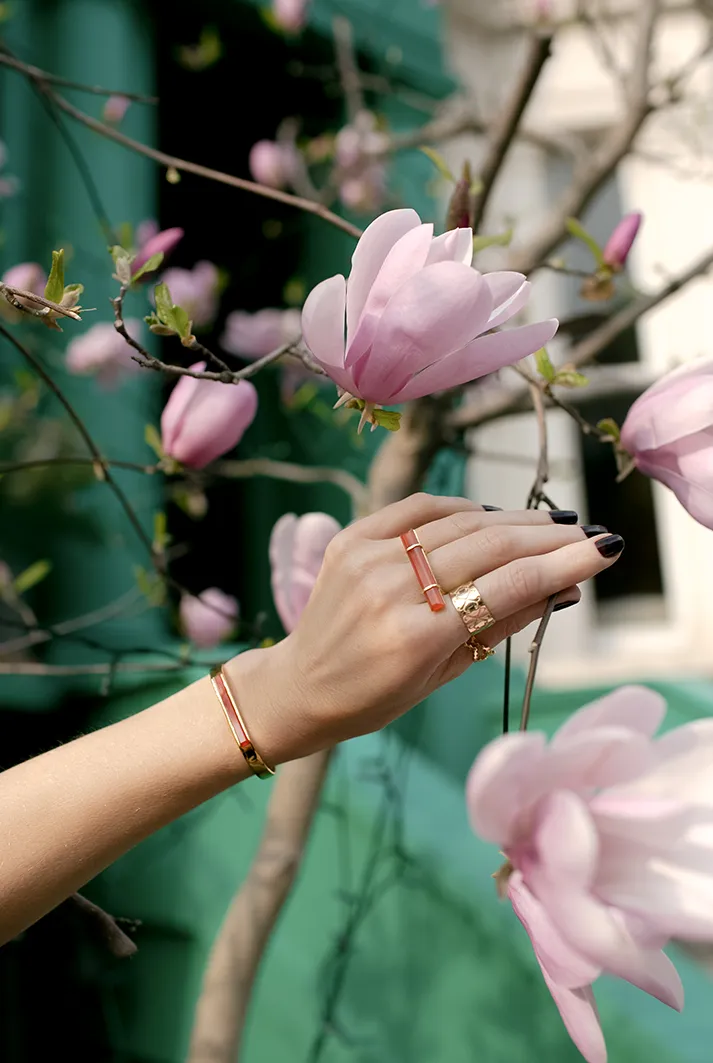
(465, 522)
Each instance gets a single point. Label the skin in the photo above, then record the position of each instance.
(366, 650)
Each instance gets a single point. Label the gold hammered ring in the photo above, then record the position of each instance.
(472, 609)
(480, 651)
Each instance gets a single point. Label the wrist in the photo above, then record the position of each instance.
(262, 684)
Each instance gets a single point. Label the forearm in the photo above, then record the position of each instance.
(67, 814)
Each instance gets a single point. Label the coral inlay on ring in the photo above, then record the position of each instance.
(424, 573)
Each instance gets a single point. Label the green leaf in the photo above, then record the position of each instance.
(388, 419)
(439, 162)
(148, 267)
(183, 322)
(544, 366)
(150, 585)
(609, 426)
(32, 575)
(125, 232)
(577, 230)
(152, 437)
(570, 378)
(164, 305)
(54, 289)
(161, 538)
(499, 240)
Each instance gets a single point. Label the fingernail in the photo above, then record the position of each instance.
(563, 605)
(564, 516)
(493, 509)
(590, 530)
(610, 546)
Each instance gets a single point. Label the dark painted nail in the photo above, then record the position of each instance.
(610, 546)
(564, 516)
(590, 530)
(563, 605)
(493, 509)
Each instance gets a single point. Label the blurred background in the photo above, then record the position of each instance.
(393, 946)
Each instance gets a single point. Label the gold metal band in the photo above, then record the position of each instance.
(472, 609)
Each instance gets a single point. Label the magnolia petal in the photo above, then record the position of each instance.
(578, 1011)
(556, 957)
(633, 707)
(606, 756)
(483, 355)
(314, 533)
(600, 934)
(510, 293)
(565, 840)
(176, 406)
(323, 322)
(683, 772)
(495, 780)
(675, 412)
(213, 422)
(435, 312)
(453, 246)
(281, 550)
(368, 258)
(405, 258)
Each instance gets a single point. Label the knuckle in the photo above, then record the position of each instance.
(496, 543)
(522, 581)
(464, 523)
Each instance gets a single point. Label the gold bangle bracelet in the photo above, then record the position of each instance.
(237, 725)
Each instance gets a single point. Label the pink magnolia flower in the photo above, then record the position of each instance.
(416, 315)
(297, 546)
(272, 163)
(102, 352)
(621, 241)
(254, 335)
(608, 835)
(195, 290)
(30, 277)
(208, 619)
(290, 15)
(204, 419)
(669, 433)
(150, 242)
(115, 108)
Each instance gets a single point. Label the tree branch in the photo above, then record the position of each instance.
(594, 173)
(174, 161)
(492, 404)
(43, 76)
(504, 132)
(251, 918)
(303, 474)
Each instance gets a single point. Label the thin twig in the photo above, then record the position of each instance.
(304, 474)
(597, 166)
(36, 74)
(543, 466)
(349, 75)
(503, 134)
(38, 635)
(40, 669)
(12, 295)
(101, 467)
(41, 463)
(174, 161)
(535, 648)
(498, 403)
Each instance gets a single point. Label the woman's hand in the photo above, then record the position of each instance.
(368, 647)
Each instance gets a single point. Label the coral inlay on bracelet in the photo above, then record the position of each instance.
(424, 573)
(237, 725)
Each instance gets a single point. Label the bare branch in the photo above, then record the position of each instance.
(595, 171)
(535, 647)
(54, 79)
(174, 161)
(347, 65)
(503, 133)
(13, 295)
(241, 941)
(304, 474)
(493, 404)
